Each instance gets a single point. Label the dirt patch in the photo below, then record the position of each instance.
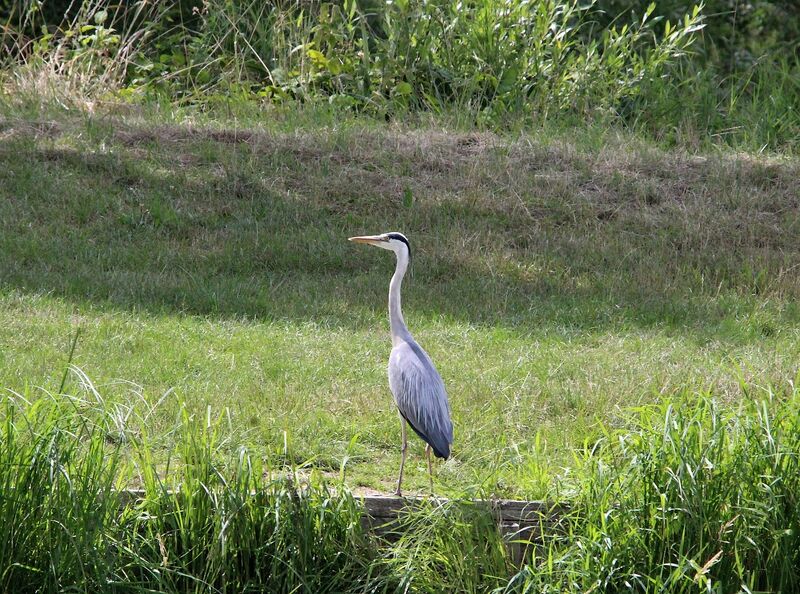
(10, 129)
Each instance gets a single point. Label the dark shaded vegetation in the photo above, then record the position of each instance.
(727, 73)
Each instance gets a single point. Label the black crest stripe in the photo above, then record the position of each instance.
(402, 238)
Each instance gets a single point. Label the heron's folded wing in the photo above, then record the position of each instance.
(421, 397)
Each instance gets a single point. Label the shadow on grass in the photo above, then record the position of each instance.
(240, 225)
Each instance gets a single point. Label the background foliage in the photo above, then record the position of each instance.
(724, 71)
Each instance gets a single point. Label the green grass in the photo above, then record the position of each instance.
(558, 279)
(616, 320)
(692, 496)
(209, 528)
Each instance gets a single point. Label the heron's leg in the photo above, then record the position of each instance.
(403, 449)
(430, 468)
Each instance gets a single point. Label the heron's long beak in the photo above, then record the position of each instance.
(369, 239)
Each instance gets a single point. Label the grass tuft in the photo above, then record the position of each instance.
(697, 496)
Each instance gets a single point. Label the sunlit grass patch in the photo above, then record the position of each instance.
(555, 282)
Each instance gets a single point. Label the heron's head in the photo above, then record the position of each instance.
(397, 242)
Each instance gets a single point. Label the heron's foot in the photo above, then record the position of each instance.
(397, 493)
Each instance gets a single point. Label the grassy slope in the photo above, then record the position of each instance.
(556, 280)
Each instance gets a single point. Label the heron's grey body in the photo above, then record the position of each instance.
(419, 393)
(417, 387)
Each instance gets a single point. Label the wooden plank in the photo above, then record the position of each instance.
(505, 510)
(520, 522)
(385, 506)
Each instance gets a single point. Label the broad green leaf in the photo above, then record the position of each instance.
(509, 79)
(318, 58)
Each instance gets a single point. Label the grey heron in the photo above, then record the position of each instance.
(417, 387)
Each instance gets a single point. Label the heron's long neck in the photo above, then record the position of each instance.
(398, 325)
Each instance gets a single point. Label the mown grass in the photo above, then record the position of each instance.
(557, 280)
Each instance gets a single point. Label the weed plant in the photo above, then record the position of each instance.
(479, 55)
